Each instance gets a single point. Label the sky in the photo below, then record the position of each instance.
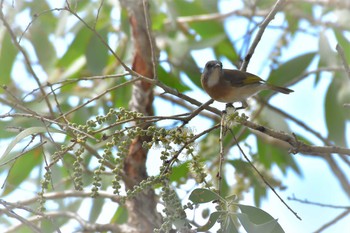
(317, 184)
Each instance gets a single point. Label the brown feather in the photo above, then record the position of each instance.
(239, 78)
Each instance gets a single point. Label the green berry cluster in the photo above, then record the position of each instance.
(173, 210)
(197, 168)
(96, 184)
(44, 185)
(78, 171)
(144, 185)
(122, 143)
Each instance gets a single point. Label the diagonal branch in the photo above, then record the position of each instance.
(279, 4)
(296, 145)
(26, 58)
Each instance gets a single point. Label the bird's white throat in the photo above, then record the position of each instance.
(213, 78)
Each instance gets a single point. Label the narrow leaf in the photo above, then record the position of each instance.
(258, 217)
(289, 71)
(201, 195)
(268, 227)
(21, 169)
(335, 116)
(211, 221)
(25, 133)
(8, 54)
(120, 216)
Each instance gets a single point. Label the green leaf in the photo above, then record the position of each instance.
(343, 42)
(5, 131)
(268, 227)
(158, 21)
(121, 215)
(271, 154)
(335, 116)
(45, 51)
(21, 169)
(201, 195)
(256, 216)
(53, 225)
(266, 4)
(121, 96)
(228, 225)
(42, 27)
(239, 165)
(190, 8)
(8, 53)
(207, 42)
(25, 133)
(289, 70)
(171, 80)
(180, 173)
(293, 22)
(328, 56)
(97, 204)
(226, 49)
(211, 221)
(189, 66)
(97, 53)
(76, 49)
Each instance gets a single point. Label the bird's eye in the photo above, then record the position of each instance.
(210, 65)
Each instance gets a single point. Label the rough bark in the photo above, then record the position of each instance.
(142, 209)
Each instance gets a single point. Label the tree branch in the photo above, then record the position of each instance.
(332, 222)
(26, 58)
(278, 6)
(296, 145)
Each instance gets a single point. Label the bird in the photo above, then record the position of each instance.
(229, 86)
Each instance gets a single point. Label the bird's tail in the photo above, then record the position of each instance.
(283, 90)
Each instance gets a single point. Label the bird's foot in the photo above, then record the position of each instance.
(228, 105)
(244, 105)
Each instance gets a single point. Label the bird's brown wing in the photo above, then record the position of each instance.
(239, 78)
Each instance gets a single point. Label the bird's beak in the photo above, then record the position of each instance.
(217, 65)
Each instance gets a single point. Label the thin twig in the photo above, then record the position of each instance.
(62, 125)
(24, 221)
(263, 178)
(171, 161)
(332, 222)
(103, 41)
(214, 16)
(341, 175)
(23, 153)
(188, 106)
(297, 121)
(153, 56)
(9, 207)
(317, 203)
(97, 97)
(260, 33)
(221, 153)
(85, 225)
(197, 111)
(297, 146)
(342, 56)
(166, 88)
(98, 13)
(26, 58)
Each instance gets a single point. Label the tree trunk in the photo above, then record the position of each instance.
(142, 209)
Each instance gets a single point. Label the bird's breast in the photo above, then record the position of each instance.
(226, 93)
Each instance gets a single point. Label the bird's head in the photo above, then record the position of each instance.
(212, 65)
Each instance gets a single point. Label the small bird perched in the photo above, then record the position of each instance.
(228, 86)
